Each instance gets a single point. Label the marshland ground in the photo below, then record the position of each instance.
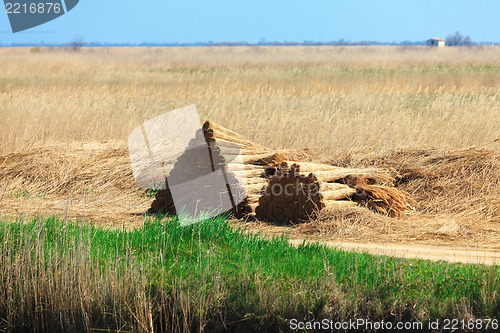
(431, 115)
(65, 117)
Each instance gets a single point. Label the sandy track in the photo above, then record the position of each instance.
(429, 252)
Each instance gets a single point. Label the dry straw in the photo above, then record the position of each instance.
(414, 109)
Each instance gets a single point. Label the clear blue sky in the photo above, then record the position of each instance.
(136, 21)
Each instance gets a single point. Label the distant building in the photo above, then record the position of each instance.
(435, 42)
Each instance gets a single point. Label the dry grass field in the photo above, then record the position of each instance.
(65, 117)
(335, 98)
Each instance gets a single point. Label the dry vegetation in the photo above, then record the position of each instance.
(335, 98)
(64, 120)
(414, 109)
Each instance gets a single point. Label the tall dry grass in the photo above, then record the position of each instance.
(334, 98)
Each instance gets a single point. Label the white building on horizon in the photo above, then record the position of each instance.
(438, 42)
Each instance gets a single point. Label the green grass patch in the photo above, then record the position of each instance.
(27, 194)
(210, 276)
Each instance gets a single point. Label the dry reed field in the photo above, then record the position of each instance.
(431, 116)
(335, 98)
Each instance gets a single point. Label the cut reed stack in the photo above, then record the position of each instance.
(280, 190)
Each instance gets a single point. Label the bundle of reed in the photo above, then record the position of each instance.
(383, 199)
(292, 195)
(216, 148)
(280, 190)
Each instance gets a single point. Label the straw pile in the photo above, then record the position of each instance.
(289, 195)
(293, 195)
(282, 190)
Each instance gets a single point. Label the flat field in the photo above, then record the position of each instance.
(65, 117)
(339, 99)
(430, 115)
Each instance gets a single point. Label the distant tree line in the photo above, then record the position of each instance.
(458, 40)
(452, 40)
(77, 44)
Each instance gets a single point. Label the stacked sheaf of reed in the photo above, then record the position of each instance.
(277, 189)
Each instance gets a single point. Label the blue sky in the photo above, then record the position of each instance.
(136, 21)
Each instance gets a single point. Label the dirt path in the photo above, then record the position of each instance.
(397, 244)
(429, 252)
